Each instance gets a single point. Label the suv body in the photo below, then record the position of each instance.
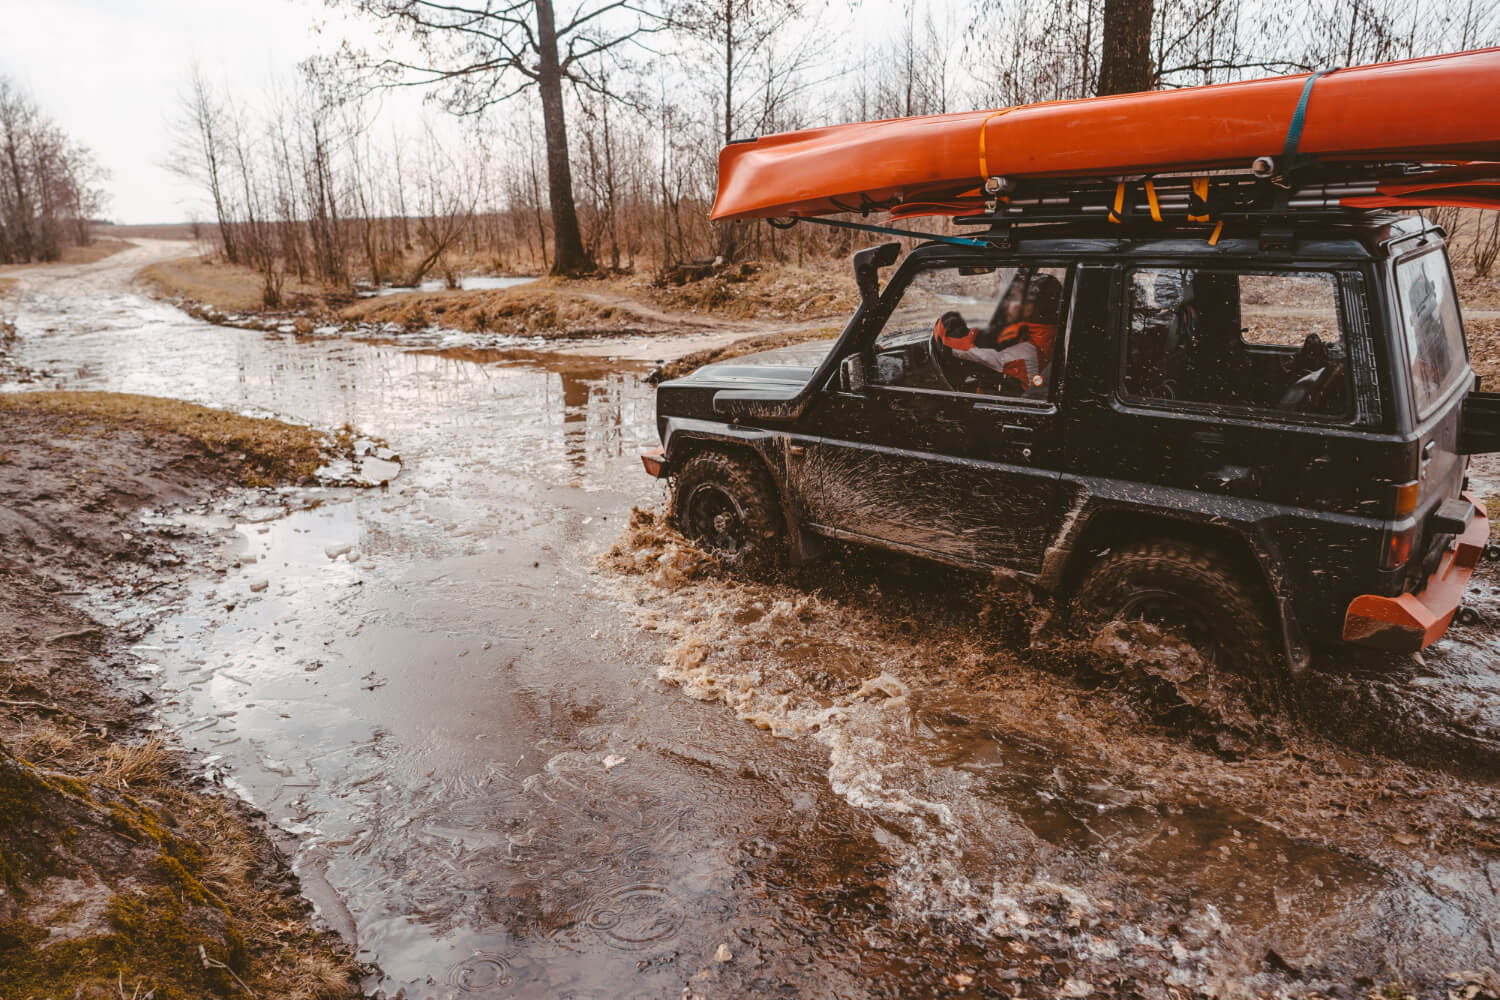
(1183, 400)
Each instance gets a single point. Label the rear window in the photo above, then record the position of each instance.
(1434, 335)
(1260, 340)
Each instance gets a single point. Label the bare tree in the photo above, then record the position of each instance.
(483, 53)
(50, 185)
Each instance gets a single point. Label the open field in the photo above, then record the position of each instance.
(156, 231)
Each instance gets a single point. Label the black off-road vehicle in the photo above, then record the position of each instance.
(1260, 439)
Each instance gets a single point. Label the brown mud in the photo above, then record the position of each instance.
(118, 870)
(1107, 802)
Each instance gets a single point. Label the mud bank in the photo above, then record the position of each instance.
(1096, 818)
(121, 871)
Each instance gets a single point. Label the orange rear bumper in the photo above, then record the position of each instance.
(1409, 622)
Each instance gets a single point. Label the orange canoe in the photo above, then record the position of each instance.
(1440, 109)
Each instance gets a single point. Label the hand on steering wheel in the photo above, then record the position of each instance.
(945, 365)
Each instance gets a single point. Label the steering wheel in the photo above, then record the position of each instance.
(939, 358)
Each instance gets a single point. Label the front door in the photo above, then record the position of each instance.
(952, 450)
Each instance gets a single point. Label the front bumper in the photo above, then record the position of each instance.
(1409, 622)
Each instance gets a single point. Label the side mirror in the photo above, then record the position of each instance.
(854, 373)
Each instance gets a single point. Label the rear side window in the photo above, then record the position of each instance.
(1260, 340)
(1434, 335)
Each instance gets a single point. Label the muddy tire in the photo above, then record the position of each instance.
(1186, 589)
(728, 506)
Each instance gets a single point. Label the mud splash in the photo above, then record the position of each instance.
(1029, 808)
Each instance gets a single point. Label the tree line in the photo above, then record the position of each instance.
(50, 184)
(593, 130)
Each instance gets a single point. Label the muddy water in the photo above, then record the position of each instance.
(505, 769)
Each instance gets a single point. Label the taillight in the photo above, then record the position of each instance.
(1396, 548)
(1406, 499)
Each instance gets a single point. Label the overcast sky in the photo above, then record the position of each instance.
(109, 72)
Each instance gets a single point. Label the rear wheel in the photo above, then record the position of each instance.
(1185, 590)
(728, 505)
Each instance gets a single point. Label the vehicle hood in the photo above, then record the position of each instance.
(792, 365)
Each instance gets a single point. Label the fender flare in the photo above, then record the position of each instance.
(1100, 514)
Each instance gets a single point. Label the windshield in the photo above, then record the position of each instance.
(1434, 335)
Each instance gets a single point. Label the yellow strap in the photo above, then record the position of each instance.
(1114, 213)
(984, 161)
(1151, 200)
(1213, 240)
(1200, 188)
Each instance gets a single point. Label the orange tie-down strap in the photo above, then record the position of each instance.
(984, 159)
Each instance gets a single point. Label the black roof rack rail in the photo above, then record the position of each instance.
(1203, 198)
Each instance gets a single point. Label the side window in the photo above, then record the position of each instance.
(1258, 339)
(993, 331)
(1434, 335)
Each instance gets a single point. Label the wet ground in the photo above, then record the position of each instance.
(512, 765)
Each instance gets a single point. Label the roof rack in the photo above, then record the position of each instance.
(1194, 199)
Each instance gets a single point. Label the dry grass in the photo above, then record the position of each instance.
(528, 310)
(748, 345)
(772, 291)
(7, 285)
(225, 287)
(271, 450)
(127, 765)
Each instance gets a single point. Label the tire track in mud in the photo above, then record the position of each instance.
(1108, 802)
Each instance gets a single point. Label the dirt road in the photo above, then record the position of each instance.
(510, 764)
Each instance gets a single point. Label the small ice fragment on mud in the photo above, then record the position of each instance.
(1077, 988)
(612, 761)
(334, 551)
(882, 686)
(723, 954)
(256, 586)
(961, 980)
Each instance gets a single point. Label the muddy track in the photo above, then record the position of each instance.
(510, 767)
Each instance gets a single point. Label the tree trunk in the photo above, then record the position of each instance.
(568, 255)
(1125, 67)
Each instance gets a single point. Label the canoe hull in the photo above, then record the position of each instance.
(1438, 109)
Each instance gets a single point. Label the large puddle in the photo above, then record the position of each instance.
(478, 744)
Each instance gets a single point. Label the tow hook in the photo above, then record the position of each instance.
(1468, 616)
(1491, 553)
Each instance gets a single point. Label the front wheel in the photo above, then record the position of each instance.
(728, 505)
(1186, 590)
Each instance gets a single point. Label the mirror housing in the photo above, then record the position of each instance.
(854, 373)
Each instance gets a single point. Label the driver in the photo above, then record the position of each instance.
(1018, 343)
